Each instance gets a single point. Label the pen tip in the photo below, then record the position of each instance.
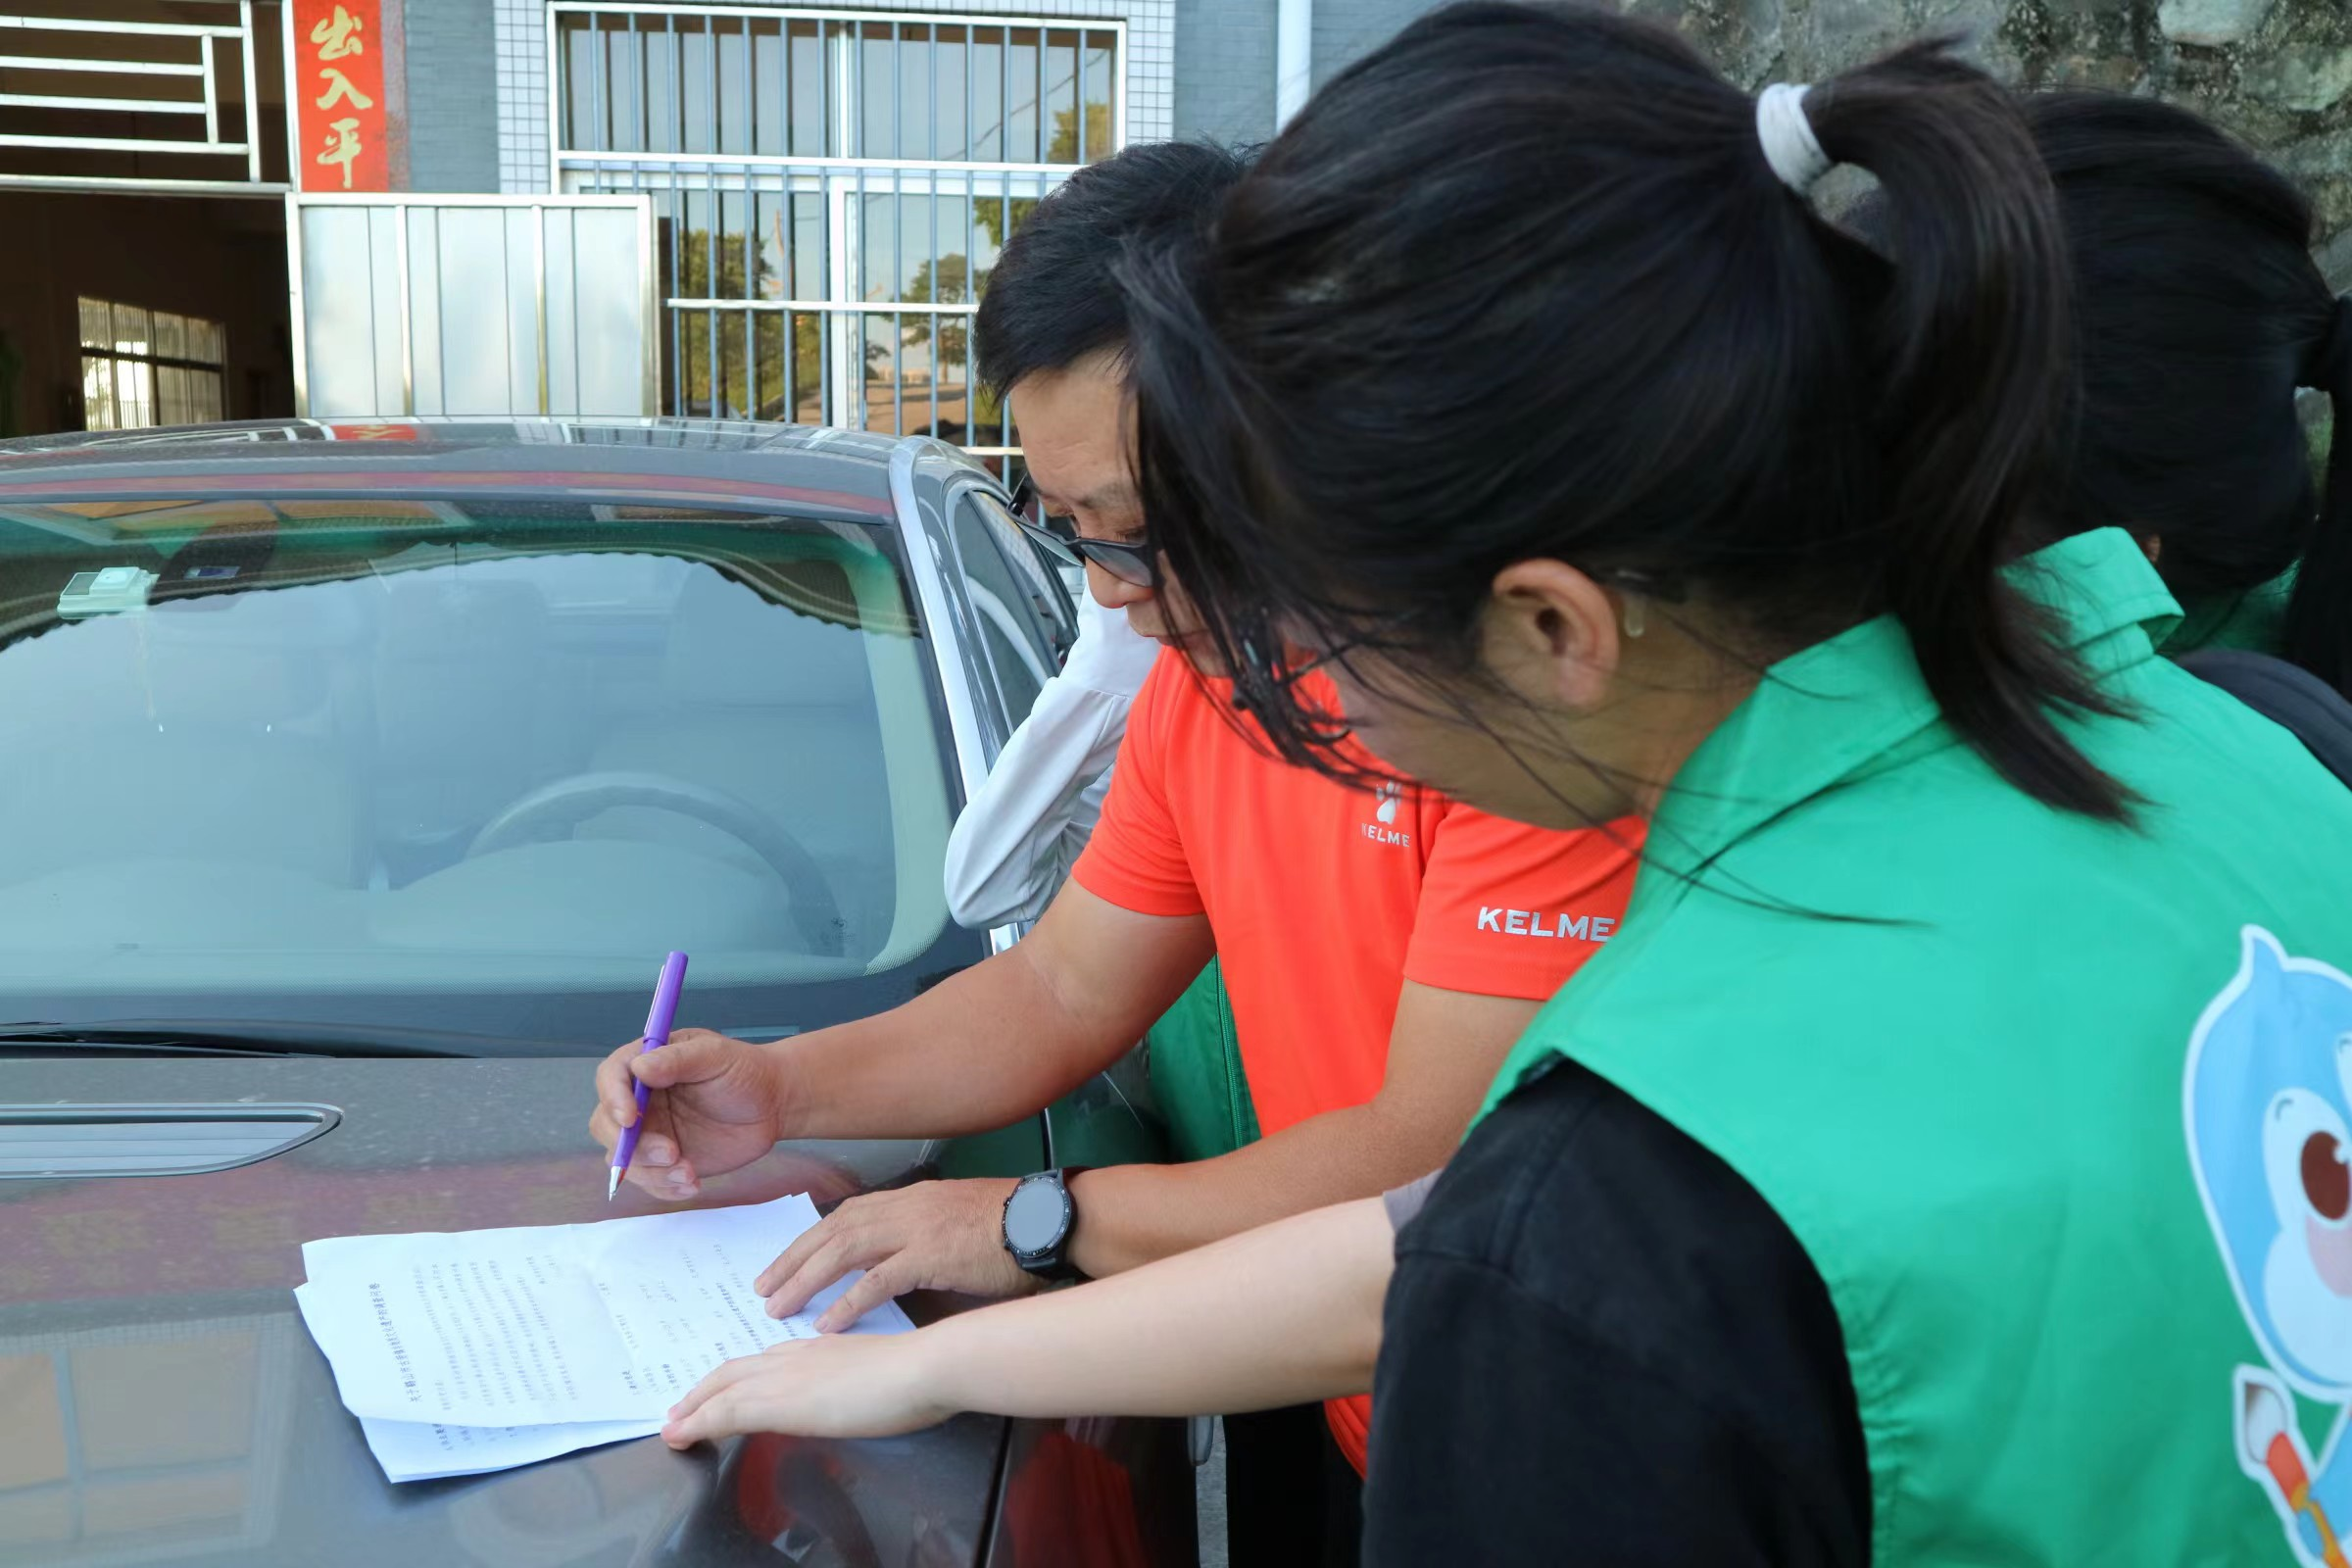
(612, 1187)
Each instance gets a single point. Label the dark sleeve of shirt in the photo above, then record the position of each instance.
(1602, 1347)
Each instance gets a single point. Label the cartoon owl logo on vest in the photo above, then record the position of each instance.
(2268, 1098)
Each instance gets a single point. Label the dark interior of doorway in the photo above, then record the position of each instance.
(219, 259)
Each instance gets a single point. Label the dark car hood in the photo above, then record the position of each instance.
(160, 1402)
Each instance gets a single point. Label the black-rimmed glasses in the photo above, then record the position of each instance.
(1135, 564)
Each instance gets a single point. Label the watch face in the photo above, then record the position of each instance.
(1033, 1220)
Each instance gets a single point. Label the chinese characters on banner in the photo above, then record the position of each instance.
(342, 140)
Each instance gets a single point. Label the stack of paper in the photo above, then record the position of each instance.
(471, 1351)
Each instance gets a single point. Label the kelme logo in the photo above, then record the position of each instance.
(1382, 829)
(1536, 924)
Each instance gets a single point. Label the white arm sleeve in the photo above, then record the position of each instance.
(1023, 829)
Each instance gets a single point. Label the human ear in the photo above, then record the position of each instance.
(1551, 634)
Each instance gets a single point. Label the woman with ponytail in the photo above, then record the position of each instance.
(1946, 1161)
(2198, 313)
(1846, 1208)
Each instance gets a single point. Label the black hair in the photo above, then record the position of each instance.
(1522, 284)
(1052, 297)
(2199, 311)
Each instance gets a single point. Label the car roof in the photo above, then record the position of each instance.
(810, 466)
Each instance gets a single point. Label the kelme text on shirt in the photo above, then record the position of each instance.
(1534, 923)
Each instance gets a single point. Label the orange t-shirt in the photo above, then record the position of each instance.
(1324, 900)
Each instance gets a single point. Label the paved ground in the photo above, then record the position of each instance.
(1209, 1486)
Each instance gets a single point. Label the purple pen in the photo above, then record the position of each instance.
(656, 1035)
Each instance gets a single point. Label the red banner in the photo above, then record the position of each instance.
(342, 133)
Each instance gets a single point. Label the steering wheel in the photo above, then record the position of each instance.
(568, 802)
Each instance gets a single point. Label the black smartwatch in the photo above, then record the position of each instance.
(1038, 1222)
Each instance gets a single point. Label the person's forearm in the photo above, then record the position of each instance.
(975, 1051)
(1279, 1315)
(1131, 1216)
(1005, 1038)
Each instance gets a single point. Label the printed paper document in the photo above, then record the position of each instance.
(471, 1350)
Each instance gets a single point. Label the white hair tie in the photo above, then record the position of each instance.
(1790, 145)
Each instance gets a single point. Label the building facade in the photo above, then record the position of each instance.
(364, 209)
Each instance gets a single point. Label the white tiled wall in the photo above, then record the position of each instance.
(523, 146)
(522, 149)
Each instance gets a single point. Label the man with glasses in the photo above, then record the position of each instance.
(1023, 829)
(1381, 949)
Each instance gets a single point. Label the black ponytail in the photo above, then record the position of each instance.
(1971, 345)
(2318, 617)
(1522, 284)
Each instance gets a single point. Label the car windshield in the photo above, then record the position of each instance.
(460, 766)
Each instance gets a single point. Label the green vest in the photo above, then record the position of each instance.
(2254, 621)
(1194, 1061)
(2024, 1118)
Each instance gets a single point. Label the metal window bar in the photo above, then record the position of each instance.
(840, 26)
(1005, 227)
(681, 380)
(750, 235)
(109, 67)
(843, 316)
(253, 99)
(80, 54)
(710, 283)
(787, 98)
(939, 271)
(971, 280)
(898, 244)
(642, 82)
(642, 133)
(600, 90)
(862, 264)
(211, 101)
(156, 29)
(136, 106)
(1078, 135)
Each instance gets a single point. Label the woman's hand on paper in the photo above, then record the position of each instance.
(840, 1385)
(716, 1096)
(933, 1236)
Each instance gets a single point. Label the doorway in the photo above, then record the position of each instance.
(120, 312)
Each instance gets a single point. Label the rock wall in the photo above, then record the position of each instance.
(2278, 72)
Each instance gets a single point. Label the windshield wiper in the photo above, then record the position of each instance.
(254, 1038)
